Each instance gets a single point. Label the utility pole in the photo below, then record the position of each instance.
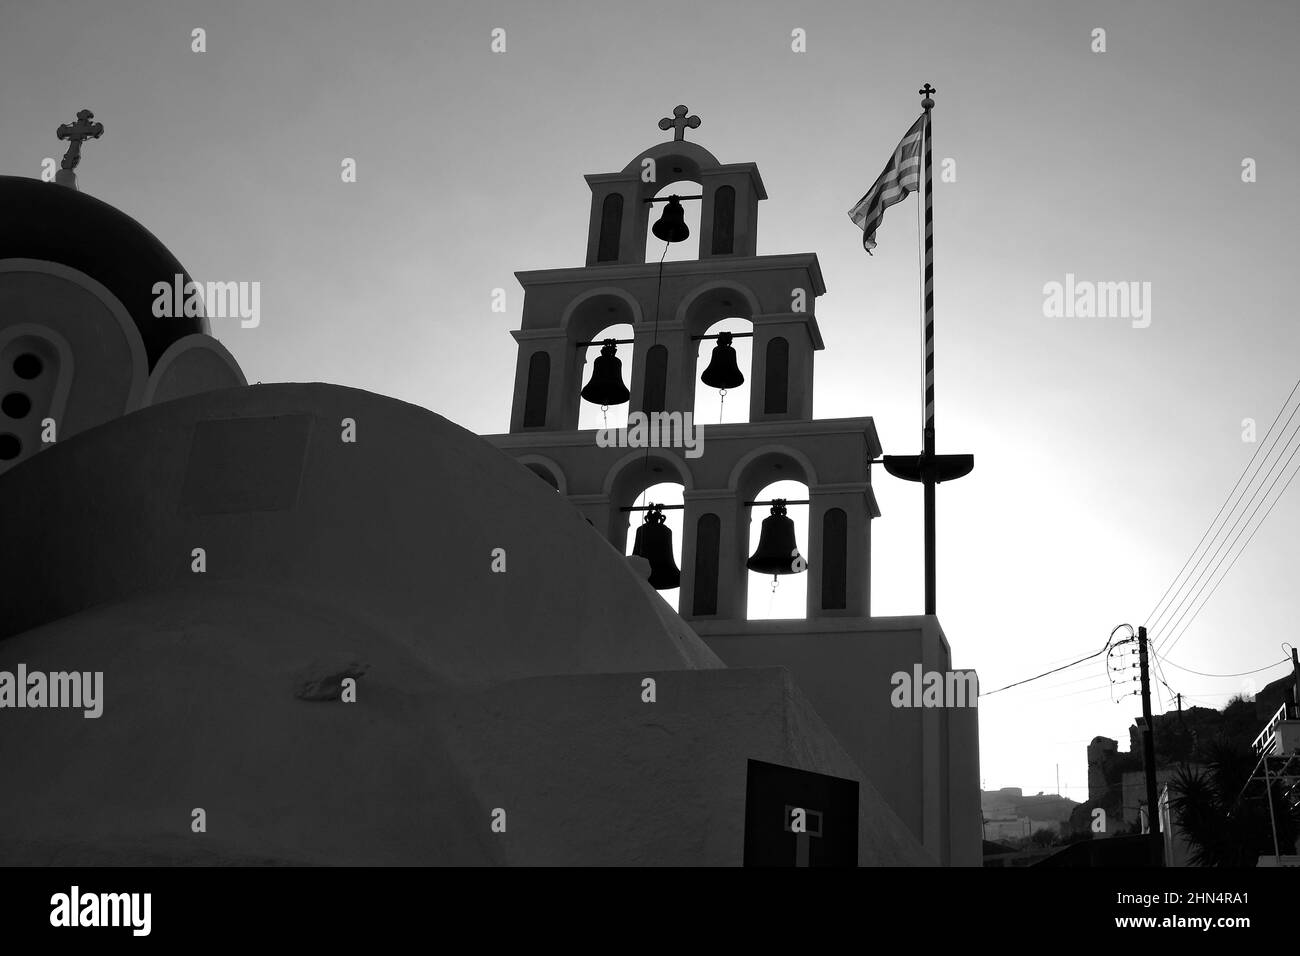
(1295, 669)
(1149, 753)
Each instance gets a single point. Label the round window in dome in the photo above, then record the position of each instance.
(16, 405)
(28, 366)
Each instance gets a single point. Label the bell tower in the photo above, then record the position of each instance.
(839, 655)
(670, 306)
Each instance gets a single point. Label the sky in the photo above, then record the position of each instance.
(1102, 449)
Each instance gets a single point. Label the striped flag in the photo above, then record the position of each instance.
(902, 175)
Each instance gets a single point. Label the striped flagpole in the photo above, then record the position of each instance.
(928, 468)
(927, 434)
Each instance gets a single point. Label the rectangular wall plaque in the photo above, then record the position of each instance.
(245, 464)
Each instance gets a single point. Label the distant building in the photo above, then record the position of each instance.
(1134, 789)
(1099, 751)
(1010, 815)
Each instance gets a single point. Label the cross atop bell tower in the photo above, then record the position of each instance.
(678, 123)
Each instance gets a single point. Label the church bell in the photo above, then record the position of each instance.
(606, 385)
(654, 542)
(723, 372)
(777, 550)
(671, 226)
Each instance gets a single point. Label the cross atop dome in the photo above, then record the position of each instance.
(76, 133)
(678, 122)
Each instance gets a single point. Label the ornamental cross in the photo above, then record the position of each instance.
(928, 92)
(678, 122)
(78, 132)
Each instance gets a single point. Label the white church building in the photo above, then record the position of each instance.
(331, 627)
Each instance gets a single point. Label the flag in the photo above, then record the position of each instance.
(902, 175)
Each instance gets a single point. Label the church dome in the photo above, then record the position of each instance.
(369, 503)
(44, 221)
(498, 647)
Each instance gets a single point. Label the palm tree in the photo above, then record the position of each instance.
(1223, 826)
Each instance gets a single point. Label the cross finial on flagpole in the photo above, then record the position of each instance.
(679, 121)
(928, 92)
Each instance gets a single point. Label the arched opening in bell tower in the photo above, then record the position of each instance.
(713, 307)
(642, 478)
(661, 493)
(688, 249)
(590, 414)
(714, 405)
(765, 474)
(590, 319)
(788, 600)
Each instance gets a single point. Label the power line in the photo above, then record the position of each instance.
(1257, 498)
(1155, 670)
(1209, 700)
(1258, 503)
(1169, 645)
(1242, 674)
(1056, 670)
(1069, 683)
(1160, 676)
(1056, 697)
(1258, 449)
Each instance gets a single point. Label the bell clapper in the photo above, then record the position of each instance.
(604, 413)
(722, 400)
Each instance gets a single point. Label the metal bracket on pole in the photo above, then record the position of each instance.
(929, 468)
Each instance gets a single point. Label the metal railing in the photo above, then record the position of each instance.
(1264, 742)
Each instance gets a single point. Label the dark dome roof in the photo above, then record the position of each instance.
(41, 220)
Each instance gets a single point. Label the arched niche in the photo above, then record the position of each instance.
(611, 226)
(706, 570)
(724, 221)
(36, 366)
(547, 470)
(69, 306)
(654, 388)
(537, 389)
(776, 390)
(196, 363)
(834, 559)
